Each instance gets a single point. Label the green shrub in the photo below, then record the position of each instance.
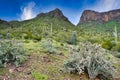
(38, 76)
(108, 45)
(90, 58)
(116, 47)
(63, 37)
(38, 37)
(11, 52)
(26, 41)
(117, 55)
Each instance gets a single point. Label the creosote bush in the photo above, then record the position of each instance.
(11, 52)
(91, 59)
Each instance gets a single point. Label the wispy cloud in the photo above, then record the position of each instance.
(27, 11)
(105, 5)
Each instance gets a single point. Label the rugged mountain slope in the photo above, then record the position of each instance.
(89, 15)
(54, 17)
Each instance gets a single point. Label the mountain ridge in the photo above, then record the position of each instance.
(87, 15)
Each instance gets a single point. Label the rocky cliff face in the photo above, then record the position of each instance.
(89, 15)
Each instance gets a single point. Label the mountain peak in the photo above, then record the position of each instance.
(57, 10)
(56, 13)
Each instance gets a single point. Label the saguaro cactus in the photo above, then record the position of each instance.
(51, 30)
(1, 36)
(74, 38)
(115, 35)
(8, 35)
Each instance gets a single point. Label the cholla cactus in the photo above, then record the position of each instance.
(48, 46)
(90, 58)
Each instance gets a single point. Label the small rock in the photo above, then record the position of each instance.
(28, 73)
(46, 59)
(11, 70)
(61, 54)
(20, 69)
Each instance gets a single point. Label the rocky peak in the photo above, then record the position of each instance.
(56, 13)
(89, 15)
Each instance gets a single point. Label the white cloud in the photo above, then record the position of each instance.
(105, 5)
(28, 12)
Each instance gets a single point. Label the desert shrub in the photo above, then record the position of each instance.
(24, 35)
(28, 36)
(32, 36)
(63, 37)
(108, 44)
(90, 58)
(11, 52)
(37, 37)
(26, 41)
(48, 46)
(116, 47)
(94, 40)
(117, 55)
(38, 76)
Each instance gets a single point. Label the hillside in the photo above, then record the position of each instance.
(50, 47)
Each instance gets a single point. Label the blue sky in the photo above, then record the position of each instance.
(27, 9)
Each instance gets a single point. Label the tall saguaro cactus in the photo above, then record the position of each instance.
(115, 35)
(74, 38)
(51, 30)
